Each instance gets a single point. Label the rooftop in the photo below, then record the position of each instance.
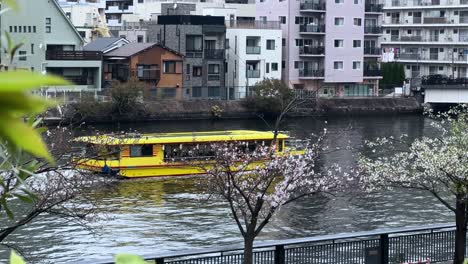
(101, 44)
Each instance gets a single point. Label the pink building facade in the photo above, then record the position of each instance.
(329, 46)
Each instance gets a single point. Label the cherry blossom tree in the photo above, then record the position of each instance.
(256, 181)
(438, 165)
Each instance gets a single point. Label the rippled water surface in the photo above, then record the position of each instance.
(153, 216)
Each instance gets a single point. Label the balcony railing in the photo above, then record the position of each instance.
(253, 73)
(73, 55)
(417, 20)
(213, 77)
(372, 30)
(435, 20)
(441, 81)
(410, 38)
(409, 56)
(78, 80)
(372, 73)
(463, 19)
(372, 51)
(256, 24)
(146, 74)
(312, 28)
(310, 50)
(194, 53)
(311, 73)
(215, 54)
(395, 20)
(312, 5)
(253, 50)
(375, 8)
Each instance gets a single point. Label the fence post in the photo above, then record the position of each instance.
(279, 254)
(160, 261)
(384, 249)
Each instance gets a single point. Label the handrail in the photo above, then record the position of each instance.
(295, 241)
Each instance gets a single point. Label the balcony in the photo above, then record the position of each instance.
(372, 51)
(372, 30)
(306, 73)
(312, 28)
(312, 6)
(147, 74)
(435, 20)
(215, 54)
(194, 53)
(311, 50)
(74, 55)
(373, 8)
(253, 50)
(253, 73)
(409, 56)
(395, 20)
(372, 73)
(78, 80)
(255, 24)
(213, 77)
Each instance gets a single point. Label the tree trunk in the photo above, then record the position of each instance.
(248, 248)
(460, 233)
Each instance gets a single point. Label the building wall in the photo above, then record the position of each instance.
(348, 32)
(86, 17)
(237, 55)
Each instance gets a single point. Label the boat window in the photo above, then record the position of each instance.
(187, 152)
(98, 152)
(280, 145)
(141, 151)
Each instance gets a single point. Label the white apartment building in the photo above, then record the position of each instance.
(428, 36)
(88, 17)
(253, 54)
(120, 11)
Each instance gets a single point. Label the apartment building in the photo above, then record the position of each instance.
(201, 40)
(429, 36)
(254, 53)
(88, 17)
(51, 44)
(329, 46)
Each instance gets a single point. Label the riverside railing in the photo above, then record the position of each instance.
(383, 246)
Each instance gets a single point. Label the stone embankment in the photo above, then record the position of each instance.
(214, 109)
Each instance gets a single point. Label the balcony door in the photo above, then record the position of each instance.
(210, 44)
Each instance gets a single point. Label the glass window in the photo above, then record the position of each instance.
(170, 67)
(197, 71)
(213, 68)
(214, 92)
(196, 92)
(274, 66)
(194, 43)
(356, 43)
(357, 22)
(339, 43)
(339, 21)
(270, 44)
(356, 65)
(338, 65)
(141, 150)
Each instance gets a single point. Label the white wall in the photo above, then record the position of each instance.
(236, 75)
(446, 95)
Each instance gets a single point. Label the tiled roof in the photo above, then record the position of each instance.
(100, 44)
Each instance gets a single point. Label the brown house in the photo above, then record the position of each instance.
(159, 67)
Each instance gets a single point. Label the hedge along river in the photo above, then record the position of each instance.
(153, 216)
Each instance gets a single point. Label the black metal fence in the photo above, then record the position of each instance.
(398, 245)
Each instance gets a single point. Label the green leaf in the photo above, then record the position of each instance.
(19, 103)
(5, 207)
(23, 137)
(24, 198)
(129, 259)
(15, 258)
(16, 81)
(12, 4)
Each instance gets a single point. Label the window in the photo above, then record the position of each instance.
(356, 65)
(140, 38)
(187, 69)
(197, 71)
(25, 28)
(274, 66)
(32, 48)
(339, 1)
(194, 43)
(19, 29)
(11, 29)
(48, 21)
(339, 43)
(283, 42)
(34, 29)
(213, 68)
(141, 151)
(283, 65)
(356, 43)
(141, 1)
(196, 92)
(358, 22)
(22, 55)
(339, 21)
(356, 2)
(338, 65)
(82, 34)
(170, 67)
(267, 67)
(15, 29)
(214, 92)
(270, 44)
(48, 29)
(282, 19)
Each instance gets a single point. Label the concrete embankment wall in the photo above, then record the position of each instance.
(180, 110)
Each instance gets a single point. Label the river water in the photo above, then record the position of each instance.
(154, 216)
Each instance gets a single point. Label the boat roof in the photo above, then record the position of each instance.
(180, 137)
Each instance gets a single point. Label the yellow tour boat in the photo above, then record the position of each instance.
(164, 154)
